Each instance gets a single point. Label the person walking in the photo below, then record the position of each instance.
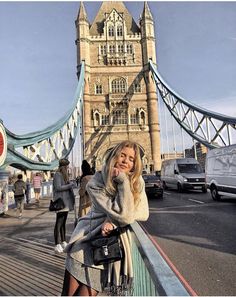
(118, 199)
(84, 199)
(27, 191)
(37, 183)
(19, 188)
(63, 189)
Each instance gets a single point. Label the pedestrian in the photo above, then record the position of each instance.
(37, 183)
(84, 199)
(118, 199)
(77, 181)
(19, 188)
(63, 189)
(27, 191)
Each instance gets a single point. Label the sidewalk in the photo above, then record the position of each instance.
(28, 264)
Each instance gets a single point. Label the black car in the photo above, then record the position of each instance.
(153, 185)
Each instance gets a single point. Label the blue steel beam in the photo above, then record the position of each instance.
(42, 149)
(209, 128)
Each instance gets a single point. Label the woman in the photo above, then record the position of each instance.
(118, 199)
(62, 188)
(84, 200)
(19, 194)
(37, 183)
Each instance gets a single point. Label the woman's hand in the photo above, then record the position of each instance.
(106, 228)
(115, 172)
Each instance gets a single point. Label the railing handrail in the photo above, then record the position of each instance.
(164, 279)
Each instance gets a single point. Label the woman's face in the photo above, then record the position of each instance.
(125, 161)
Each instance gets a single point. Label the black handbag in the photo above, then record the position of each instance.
(56, 205)
(107, 249)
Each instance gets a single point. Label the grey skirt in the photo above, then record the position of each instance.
(86, 275)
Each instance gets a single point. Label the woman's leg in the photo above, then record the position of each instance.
(57, 228)
(72, 287)
(63, 226)
(21, 206)
(86, 291)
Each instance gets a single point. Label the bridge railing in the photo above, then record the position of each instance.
(152, 275)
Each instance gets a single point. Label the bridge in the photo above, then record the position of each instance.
(41, 150)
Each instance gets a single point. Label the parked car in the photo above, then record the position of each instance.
(221, 171)
(181, 174)
(153, 185)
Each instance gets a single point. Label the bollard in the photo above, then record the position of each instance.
(3, 191)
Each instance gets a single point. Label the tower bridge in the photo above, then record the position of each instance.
(116, 98)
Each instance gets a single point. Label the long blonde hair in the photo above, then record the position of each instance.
(64, 172)
(134, 176)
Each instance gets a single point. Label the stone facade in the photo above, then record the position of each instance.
(120, 100)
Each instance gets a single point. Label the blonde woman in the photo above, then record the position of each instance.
(63, 189)
(118, 199)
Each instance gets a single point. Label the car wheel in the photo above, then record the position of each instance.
(204, 189)
(214, 193)
(179, 187)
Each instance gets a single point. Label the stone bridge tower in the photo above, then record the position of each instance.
(120, 100)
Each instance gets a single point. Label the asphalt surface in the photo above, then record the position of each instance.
(198, 235)
(28, 264)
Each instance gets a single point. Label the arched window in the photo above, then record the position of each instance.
(129, 48)
(119, 117)
(98, 89)
(120, 48)
(118, 85)
(111, 31)
(119, 31)
(105, 120)
(142, 118)
(96, 118)
(103, 49)
(112, 49)
(133, 118)
(137, 87)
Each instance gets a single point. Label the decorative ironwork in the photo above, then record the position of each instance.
(209, 128)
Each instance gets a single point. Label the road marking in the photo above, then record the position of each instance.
(197, 201)
(167, 193)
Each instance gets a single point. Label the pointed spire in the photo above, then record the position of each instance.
(82, 15)
(146, 12)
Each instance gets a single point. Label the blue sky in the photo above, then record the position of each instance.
(196, 52)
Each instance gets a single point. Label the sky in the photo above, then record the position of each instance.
(196, 54)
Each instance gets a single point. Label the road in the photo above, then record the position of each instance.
(198, 236)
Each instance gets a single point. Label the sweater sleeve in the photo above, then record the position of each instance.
(119, 209)
(142, 208)
(57, 183)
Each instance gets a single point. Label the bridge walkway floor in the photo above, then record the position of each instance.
(28, 264)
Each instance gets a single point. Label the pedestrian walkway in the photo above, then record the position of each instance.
(28, 264)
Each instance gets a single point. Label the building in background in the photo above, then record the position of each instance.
(120, 99)
(201, 151)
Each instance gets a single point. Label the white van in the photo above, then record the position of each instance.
(183, 174)
(221, 171)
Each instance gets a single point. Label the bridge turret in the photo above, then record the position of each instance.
(82, 40)
(149, 52)
(148, 35)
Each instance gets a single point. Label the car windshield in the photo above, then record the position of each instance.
(190, 168)
(151, 177)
